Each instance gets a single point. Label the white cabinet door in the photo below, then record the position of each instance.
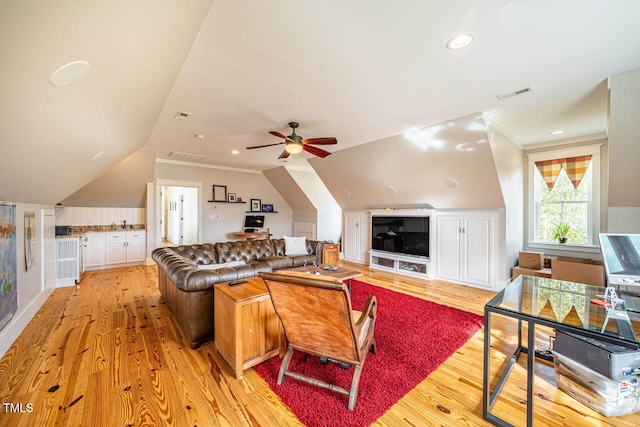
(355, 241)
(93, 250)
(477, 244)
(448, 252)
(465, 248)
(136, 245)
(116, 250)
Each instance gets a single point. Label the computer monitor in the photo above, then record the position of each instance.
(254, 221)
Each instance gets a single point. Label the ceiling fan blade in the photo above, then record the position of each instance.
(284, 154)
(266, 145)
(279, 135)
(315, 151)
(320, 141)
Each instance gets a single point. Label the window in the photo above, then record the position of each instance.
(579, 205)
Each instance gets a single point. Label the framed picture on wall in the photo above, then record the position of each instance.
(256, 205)
(267, 208)
(231, 198)
(219, 193)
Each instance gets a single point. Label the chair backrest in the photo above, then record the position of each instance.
(316, 315)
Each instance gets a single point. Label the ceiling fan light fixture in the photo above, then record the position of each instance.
(293, 148)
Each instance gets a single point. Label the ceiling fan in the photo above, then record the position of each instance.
(295, 143)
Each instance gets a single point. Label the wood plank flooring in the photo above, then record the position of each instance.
(107, 353)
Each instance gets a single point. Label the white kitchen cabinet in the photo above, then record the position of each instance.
(125, 247)
(93, 250)
(136, 245)
(355, 240)
(116, 248)
(465, 248)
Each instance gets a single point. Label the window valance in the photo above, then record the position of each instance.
(575, 167)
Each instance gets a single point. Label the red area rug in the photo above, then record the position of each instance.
(413, 336)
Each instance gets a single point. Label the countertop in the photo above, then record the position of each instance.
(80, 230)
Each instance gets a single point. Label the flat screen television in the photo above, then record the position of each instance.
(254, 221)
(401, 234)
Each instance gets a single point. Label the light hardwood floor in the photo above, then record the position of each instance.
(107, 352)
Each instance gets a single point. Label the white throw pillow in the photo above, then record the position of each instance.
(229, 264)
(295, 246)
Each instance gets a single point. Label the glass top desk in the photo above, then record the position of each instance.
(553, 303)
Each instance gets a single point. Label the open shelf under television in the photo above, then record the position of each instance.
(400, 263)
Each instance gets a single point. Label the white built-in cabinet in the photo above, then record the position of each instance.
(108, 249)
(465, 248)
(355, 239)
(125, 247)
(93, 250)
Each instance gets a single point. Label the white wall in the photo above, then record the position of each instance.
(509, 161)
(219, 220)
(624, 152)
(329, 214)
(78, 216)
(31, 290)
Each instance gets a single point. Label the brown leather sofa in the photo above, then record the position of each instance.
(186, 282)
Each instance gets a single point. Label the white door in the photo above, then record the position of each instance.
(449, 253)
(351, 242)
(478, 245)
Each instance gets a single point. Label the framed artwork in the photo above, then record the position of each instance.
(219, 193)
(267, 208)
(231, 197)
(256, 205)
(29, 239)
(8, 263)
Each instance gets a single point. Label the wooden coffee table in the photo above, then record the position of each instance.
(335, 272)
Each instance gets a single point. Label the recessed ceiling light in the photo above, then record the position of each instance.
(199, 136)
(460, 41)
(557, 132)
(69, 73)
(235, 152)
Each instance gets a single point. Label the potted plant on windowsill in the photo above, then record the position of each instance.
(561, 231)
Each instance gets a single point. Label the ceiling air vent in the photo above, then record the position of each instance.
(182, 115)
(517, 92)
(185, 156)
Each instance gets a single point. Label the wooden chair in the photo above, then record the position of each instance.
(317, 318)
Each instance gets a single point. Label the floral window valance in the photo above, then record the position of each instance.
(575, 167)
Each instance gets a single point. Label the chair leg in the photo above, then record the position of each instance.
(285, 365)
(372, 347)
(355, 383)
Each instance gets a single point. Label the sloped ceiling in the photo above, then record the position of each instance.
(49, 134)
(446, 166)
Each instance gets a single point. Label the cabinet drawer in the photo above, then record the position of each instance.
(136, 235)
(116, 236)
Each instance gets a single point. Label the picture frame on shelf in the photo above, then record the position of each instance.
(231, 198)
(267, 208)
(256, 205)
(219, 193)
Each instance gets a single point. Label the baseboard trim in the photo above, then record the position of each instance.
(14, 328)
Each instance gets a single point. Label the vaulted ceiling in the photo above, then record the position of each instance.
(360, 71)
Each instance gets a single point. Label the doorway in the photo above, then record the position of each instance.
(178, 213)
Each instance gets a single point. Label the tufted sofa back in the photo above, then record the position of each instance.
(203, 253)
(244, 250)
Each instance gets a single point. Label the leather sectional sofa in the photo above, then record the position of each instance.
(186, 275)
